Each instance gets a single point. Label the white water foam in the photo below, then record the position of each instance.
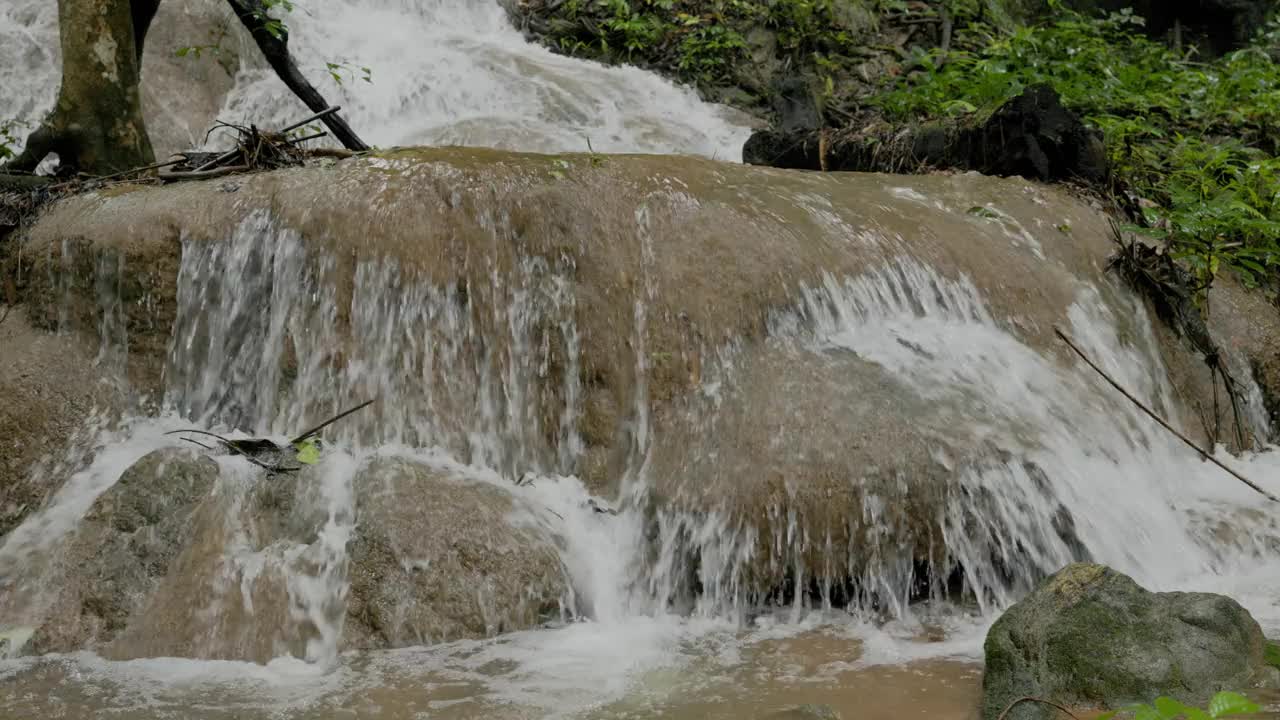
(444, 72)
(455, 72)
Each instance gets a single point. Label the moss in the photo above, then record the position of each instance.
(1271, 655)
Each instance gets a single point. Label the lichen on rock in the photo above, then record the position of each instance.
(1091, 637)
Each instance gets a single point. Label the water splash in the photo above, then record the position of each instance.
(1059, 465)
(482, 379)
(455, 72)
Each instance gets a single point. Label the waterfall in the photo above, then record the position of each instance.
(492, 313)
(455, 72)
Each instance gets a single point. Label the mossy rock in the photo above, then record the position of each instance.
(1091, 637)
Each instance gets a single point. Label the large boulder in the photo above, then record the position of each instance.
(1091, 637)
(437, 556)
(123, 549)
(567, 315)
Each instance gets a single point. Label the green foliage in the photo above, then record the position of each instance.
(1195, 141)
(1224, 704)
(340, 68)
(9, 137)
(270, 23)
(1272, 655)
(703, 41)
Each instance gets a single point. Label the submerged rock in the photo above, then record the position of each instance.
(123, 549)
(437, 557)
(1091, 637)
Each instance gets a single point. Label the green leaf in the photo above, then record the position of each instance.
(308, 452)
(1146, 712)
(182, 52)
(1169, 708)
(1229, 703)
(1195, 713)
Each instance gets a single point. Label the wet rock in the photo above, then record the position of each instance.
(1091, 637)
(1246, 323)
(124, 547)
(50, 389)
(1031, 135)
(831, 472)
(437, 556)
(723, 250)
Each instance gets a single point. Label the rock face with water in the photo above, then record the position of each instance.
(437, 557)
(824, 378)
(124, 547)
(51, 391)
(1091, 637)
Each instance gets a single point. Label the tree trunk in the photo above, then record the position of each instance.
(275, 47)
(96, 125)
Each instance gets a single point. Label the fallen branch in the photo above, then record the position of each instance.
(274, 44)
(1021, 700)
(203, 174)
(236, 447)
(1163, 423)
(330, 421)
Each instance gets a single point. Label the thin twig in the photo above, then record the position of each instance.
(203, 174)
(305, 138)
(156, 166)
(317, 116)
(1050, 703)
(231, 446)
(330, 421)
(216, 161)
(196, 442)
(1157, 418)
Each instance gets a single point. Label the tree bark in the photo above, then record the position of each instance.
(275, 48)
(96, 125)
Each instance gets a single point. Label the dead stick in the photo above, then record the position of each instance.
(1159, 419)
(1020, 700)
(218, 160)
(196, 442)
(330, 421)
(327, 111)
(305, 138)
(203, 174)
(235, 450)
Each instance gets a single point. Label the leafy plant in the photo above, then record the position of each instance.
(340, 68)
(1224, 704)
(1193, 143)
(9, 138)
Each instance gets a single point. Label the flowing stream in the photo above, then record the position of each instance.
(468, 382)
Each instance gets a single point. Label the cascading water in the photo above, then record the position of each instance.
(455, 72)
(484, 381)
(444, 72)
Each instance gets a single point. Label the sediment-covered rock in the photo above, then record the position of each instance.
(576, 314)
(437, 556)
(51, 391)
(1090, 637)
(123, 548)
